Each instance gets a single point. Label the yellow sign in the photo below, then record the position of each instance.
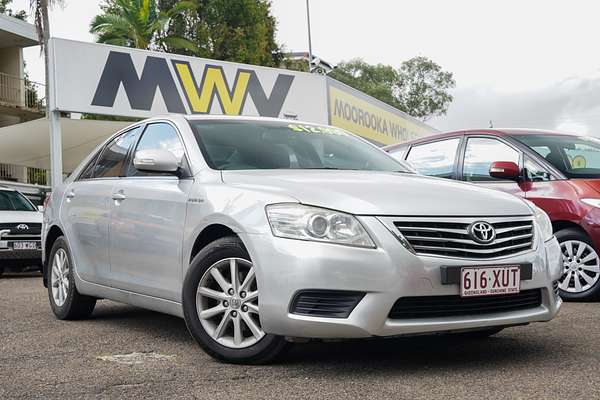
(371, 121)
(214, 80)
(578, 162)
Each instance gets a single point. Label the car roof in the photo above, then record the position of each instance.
(493, 131)
(219, 117)
(6, 189)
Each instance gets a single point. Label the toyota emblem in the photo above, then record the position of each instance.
(23, 227)
(482, 232)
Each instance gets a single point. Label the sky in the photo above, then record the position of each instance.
(516, 63)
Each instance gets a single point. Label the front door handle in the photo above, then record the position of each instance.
(118, 196)
(70, 195)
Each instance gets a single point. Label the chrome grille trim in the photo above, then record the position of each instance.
(448, 237)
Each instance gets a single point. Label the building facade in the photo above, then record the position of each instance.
(21, 100)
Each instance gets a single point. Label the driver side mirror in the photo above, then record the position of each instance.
(507, 170)
(156, 160)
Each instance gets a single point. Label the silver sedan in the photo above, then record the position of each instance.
(261, 232)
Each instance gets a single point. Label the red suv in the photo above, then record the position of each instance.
(560, 173)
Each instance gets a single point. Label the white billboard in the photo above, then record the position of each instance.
(111, 80)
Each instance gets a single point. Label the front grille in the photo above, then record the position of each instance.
(325, 303)
(454, 306)
(449, 237)
(33, 232)
(34, 229)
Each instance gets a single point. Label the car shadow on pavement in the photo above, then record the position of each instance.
(140, 320)
(406, 354)
(21, 275)
(412, 354)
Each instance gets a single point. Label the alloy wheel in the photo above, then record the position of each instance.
(581, 266)
(59, 278)
(227, 303)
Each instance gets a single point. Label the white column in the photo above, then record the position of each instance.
(56, 170)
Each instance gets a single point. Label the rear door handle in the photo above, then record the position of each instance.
(118, 196)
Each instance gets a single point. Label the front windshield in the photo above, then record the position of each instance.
(574, 156)
(247, 145)
(14, 201)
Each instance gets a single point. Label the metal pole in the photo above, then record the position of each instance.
(310, 56)
(54, 122)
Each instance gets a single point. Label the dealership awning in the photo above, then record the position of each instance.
(28, 144)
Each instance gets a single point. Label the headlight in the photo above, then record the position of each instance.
(592, 202)
(542, 221)
(297, 221)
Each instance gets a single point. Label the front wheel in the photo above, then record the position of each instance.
(221, 305)
(581, 266)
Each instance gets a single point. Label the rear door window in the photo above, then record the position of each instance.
(88, 171)
(436, 158)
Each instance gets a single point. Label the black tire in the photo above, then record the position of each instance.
(265, 350)
(592, 293)
(76, 306)
(478, 334)
(1, 270)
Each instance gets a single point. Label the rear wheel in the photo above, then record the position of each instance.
(221, 305)
(66, 302)
(581, 266)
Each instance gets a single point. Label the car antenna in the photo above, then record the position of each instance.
(491, 124)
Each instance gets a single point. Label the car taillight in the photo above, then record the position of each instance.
(47, 200)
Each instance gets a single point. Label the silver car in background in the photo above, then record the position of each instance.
(259, 232)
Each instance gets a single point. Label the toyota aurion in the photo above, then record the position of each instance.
(261, 232)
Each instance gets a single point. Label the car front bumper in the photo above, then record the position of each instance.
(385, 274)
(10, 258)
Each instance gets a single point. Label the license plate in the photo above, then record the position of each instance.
(489, 281)
(3, 244)
(25, 246)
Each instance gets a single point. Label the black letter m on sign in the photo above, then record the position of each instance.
(140, 91)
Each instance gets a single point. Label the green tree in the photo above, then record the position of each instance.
(420, 87)
(380, 81)
(4, 9)
(424, 88)
(41, 19)
(140, 24)
(230, 30)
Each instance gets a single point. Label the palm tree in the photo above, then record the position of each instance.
(39, 9)
(139, 24)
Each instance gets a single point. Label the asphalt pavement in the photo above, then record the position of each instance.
(127, 352)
